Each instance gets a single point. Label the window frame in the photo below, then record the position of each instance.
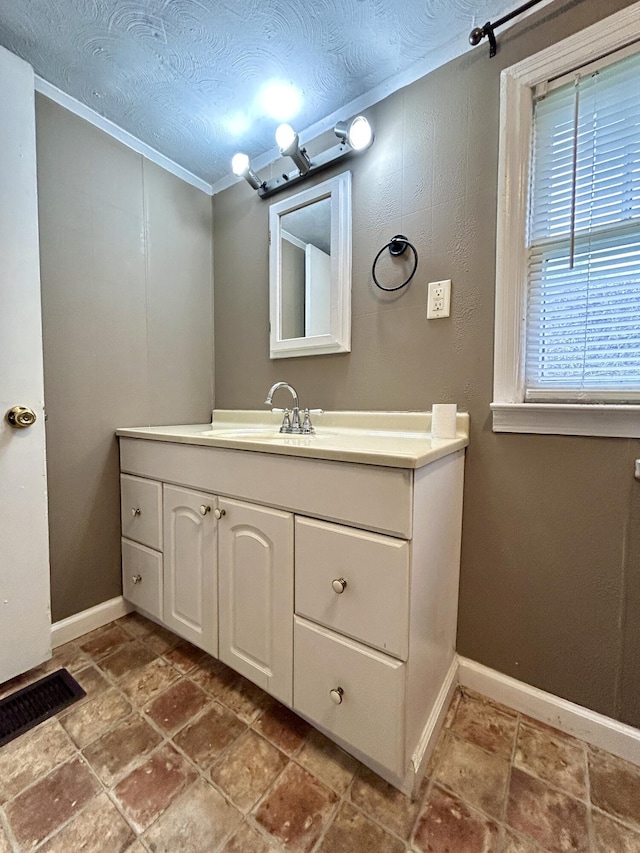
(517, 86)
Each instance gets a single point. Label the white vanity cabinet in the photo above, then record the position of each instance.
(333, 585)
(255, 583)
(190, 566)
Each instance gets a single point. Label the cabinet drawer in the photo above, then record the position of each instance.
(374, 605)
(371, 715)
(142, 577)
(141, 510)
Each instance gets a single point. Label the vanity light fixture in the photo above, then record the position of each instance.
(357, 133)
(354, 135)
(241, 166)
(288, 143)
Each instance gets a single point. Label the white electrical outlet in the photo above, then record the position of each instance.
(439, 299)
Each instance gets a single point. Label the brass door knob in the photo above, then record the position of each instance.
(219, 513)
(204, 509)
(20, 417)
(339, 585)
(135, 510)
(137, 578)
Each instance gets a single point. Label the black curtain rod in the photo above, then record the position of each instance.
(478, 33)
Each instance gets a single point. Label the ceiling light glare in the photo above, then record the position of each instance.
(280, 100)
(357, 133)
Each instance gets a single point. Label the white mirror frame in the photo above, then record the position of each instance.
(338, 189)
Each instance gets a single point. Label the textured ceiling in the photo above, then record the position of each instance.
(186, 76)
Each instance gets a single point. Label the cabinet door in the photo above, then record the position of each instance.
(190, 585)
(255, 581)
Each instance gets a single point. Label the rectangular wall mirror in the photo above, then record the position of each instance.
(310, 271)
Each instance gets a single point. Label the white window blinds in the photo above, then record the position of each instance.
(583, 302)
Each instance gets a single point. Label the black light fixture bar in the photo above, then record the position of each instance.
(478, 33)
(322, 161)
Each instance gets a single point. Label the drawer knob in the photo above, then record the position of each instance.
(219, 513)
(336, 695)
(204, 509)
(339, 585)
(135, 511)
(137, 578)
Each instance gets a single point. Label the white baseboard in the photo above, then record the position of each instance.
(431, 732)
(596, 729)
(88, 620)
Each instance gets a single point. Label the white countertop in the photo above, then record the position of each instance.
(394, 439)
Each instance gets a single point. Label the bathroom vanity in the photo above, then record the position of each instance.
(323, 568)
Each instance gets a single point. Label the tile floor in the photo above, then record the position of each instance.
(171, 751)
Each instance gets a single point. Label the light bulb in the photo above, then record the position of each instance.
(360, 134)
(240, 164)
(285, 136)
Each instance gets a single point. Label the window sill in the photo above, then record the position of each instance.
(616, 421)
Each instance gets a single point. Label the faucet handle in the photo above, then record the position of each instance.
(307, 426)
(286, 422)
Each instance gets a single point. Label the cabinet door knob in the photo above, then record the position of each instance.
(339, 585)
(336, 695)
(135, 511)
(204, 509)
(219, 513)
(137, 578)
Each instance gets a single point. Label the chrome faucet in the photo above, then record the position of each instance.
(289, 424)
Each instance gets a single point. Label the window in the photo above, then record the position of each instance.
(568, 261)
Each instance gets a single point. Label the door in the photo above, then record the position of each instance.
(255, 584)
(190, 578)
(25, 619)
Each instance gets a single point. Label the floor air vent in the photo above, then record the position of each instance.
(24, 709)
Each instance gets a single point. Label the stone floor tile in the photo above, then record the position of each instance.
(91, 720)
(390, 807)
(96, 829)
(32, 755)
(39, 810)
(184, 657)
(197, 821)
(243, 698)
(615, 785)
(248, 840)
(478, 777)
(136, 624)
(5, 844)
(211, 675)
(68, 656)
(179, 704)
(448, 825)
(327, 762)
(204, 739)
(159, 639)
(144, 684)
(552, 819)
(282, 727)
(117, 753)
(609, 835)
(510, 842)
(104, 641)
(149, 789)
(296, 810)
(553, 758)
(128, 658)
(485, 724)
(353, 832)
(92, 682)
(247, 769)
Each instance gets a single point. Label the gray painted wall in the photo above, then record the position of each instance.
(550, 583)
(126, 274)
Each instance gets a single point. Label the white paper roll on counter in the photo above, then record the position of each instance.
(443, 420)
